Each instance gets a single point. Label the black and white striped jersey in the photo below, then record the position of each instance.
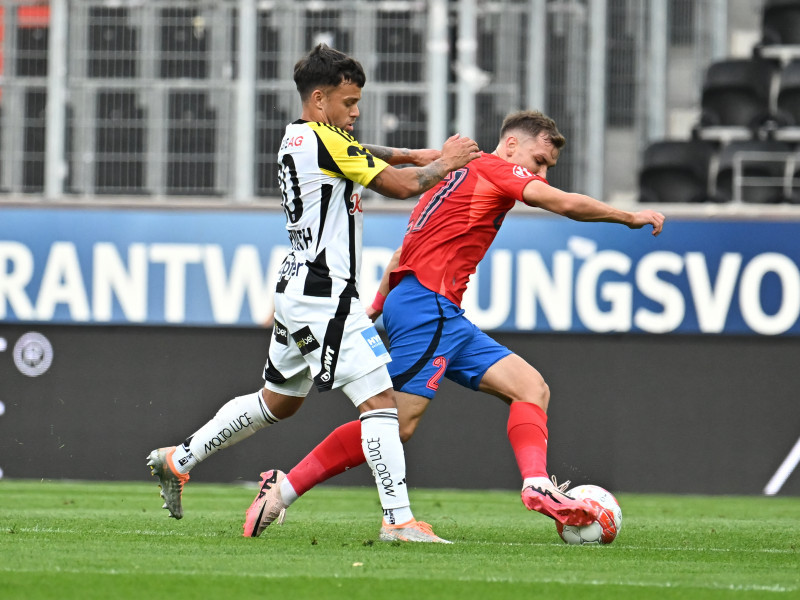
(322, 171)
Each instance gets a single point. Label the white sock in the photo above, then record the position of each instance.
(235, 421)
(183, 460)
(288, 495)
(380, 440)
(537, 481)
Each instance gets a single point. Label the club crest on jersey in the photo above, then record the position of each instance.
(354, 204)
(522, 172)
(305, 340)
(374, 340)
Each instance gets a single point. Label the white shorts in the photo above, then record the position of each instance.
(325, 341)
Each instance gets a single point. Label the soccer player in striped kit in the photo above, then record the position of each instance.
(322, 335)
(449, 232)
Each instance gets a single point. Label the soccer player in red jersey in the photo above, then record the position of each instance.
(449, 232)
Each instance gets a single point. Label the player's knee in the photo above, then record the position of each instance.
(407, 430)
(382, 400)
(536, 391)
(544, 395)
(533, 389)
(279, 405)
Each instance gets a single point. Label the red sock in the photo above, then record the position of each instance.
(340, 451)
(527, 432)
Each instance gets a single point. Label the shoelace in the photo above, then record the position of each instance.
(561, 488)
(425, 527)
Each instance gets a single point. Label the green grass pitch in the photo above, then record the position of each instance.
(83, 540)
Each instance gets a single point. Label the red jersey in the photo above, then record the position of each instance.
(454, 223)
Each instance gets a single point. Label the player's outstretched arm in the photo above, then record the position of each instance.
(412, 181)
(579, 207)
(404, 156)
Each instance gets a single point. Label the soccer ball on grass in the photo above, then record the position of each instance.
(607, 525)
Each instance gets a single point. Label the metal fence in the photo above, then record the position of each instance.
(169, 98)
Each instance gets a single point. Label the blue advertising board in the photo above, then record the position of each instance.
(543, 273)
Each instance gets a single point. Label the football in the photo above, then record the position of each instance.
(609, 521)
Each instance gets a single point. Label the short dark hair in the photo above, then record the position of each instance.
(324, 67)
(533, 123)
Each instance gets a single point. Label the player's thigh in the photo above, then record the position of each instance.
(475, 357)
(422, 348)
(372, 391)
(332, 340)
(287, 371)
(361, 358)
(512, 379)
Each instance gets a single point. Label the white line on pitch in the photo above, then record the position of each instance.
(782, 474)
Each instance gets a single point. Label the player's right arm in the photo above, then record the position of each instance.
(404, 156)
(412, 181)
(580, 207)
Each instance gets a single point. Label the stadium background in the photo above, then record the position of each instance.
(165, 110)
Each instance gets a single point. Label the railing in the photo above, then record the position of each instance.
(779, 180)
(189, 98)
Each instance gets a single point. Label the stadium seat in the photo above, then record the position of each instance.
(323, 26)
(764, 165)
(33, 143)
(787, 102)
(780, 23)
(34, 140)
(794, 179)
(113, 48)
(788, 98)
(400, 48)
(735, 100)
(184, 44)
(488, 125)
(268, 48)
(119, 143)
(405, 121)
(676, 171)
(487, 58)
(191, 144)
(271, 122)
(621, 69)
(31, 51)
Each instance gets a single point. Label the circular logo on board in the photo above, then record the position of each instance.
(33, 354)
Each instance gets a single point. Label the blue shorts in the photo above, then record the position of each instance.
(429, 337)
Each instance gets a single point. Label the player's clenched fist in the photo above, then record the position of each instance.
(458, 151)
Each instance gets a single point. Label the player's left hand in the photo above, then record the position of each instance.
(373, 314)
(424, 156)
(648, 217)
